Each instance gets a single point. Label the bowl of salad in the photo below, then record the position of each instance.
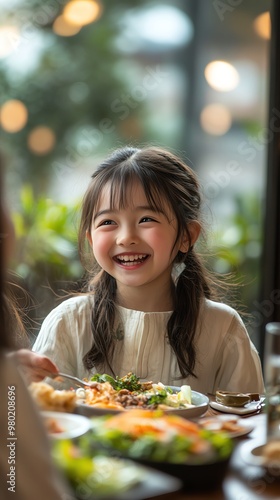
(166, 442)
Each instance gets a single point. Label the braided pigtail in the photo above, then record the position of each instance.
(102, 323)
(190, 289)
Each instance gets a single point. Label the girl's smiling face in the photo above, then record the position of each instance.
(134, 243)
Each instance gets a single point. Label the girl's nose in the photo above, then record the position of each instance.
(126, 237)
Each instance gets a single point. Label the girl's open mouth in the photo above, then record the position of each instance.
(130, 260)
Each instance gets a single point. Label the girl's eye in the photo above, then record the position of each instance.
(107, 222)
(147, 219)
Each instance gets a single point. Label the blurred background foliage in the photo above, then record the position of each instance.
(46, 236)
(67, 84)
(134, 74)
(237, 248)
(46, 262)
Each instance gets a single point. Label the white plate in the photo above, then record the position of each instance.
(243, 410)
(252, 454)
(72, 425)
(216, 424)
(200, 402)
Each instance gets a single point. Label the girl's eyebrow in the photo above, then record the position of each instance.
(140, 207)
(101, 212)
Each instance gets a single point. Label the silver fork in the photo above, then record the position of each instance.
(78, 382)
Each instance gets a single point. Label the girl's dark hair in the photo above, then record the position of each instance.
(164, 178)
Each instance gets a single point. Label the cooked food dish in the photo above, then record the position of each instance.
(230, 424)
(62, 425)
(127, 392)
(51, 399)
(114, 395)
(154, 436)
(53, 426)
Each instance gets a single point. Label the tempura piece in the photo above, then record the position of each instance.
(51, 399)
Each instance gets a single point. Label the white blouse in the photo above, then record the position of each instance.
(226, 359)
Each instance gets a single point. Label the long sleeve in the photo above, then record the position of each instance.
(226, 357)
(240, 368)
(65, 335)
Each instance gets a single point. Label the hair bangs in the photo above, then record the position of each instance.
(124, 178)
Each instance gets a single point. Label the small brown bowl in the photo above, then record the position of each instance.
(232, 398)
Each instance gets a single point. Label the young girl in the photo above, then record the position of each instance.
(148, 308)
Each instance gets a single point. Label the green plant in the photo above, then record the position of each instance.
(46, 234)
(46, 256)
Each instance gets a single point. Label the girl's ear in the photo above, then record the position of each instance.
(89, 238)
(194, 229)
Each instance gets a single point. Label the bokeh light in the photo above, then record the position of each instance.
(221, 76)
(262, 25)
(62, 27)
(9, 40)
(41, 140)
(13, 116)
(82, 12)
(215, 119)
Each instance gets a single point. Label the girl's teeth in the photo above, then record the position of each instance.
(131, 258)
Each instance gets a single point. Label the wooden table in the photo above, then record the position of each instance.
(242, 482)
